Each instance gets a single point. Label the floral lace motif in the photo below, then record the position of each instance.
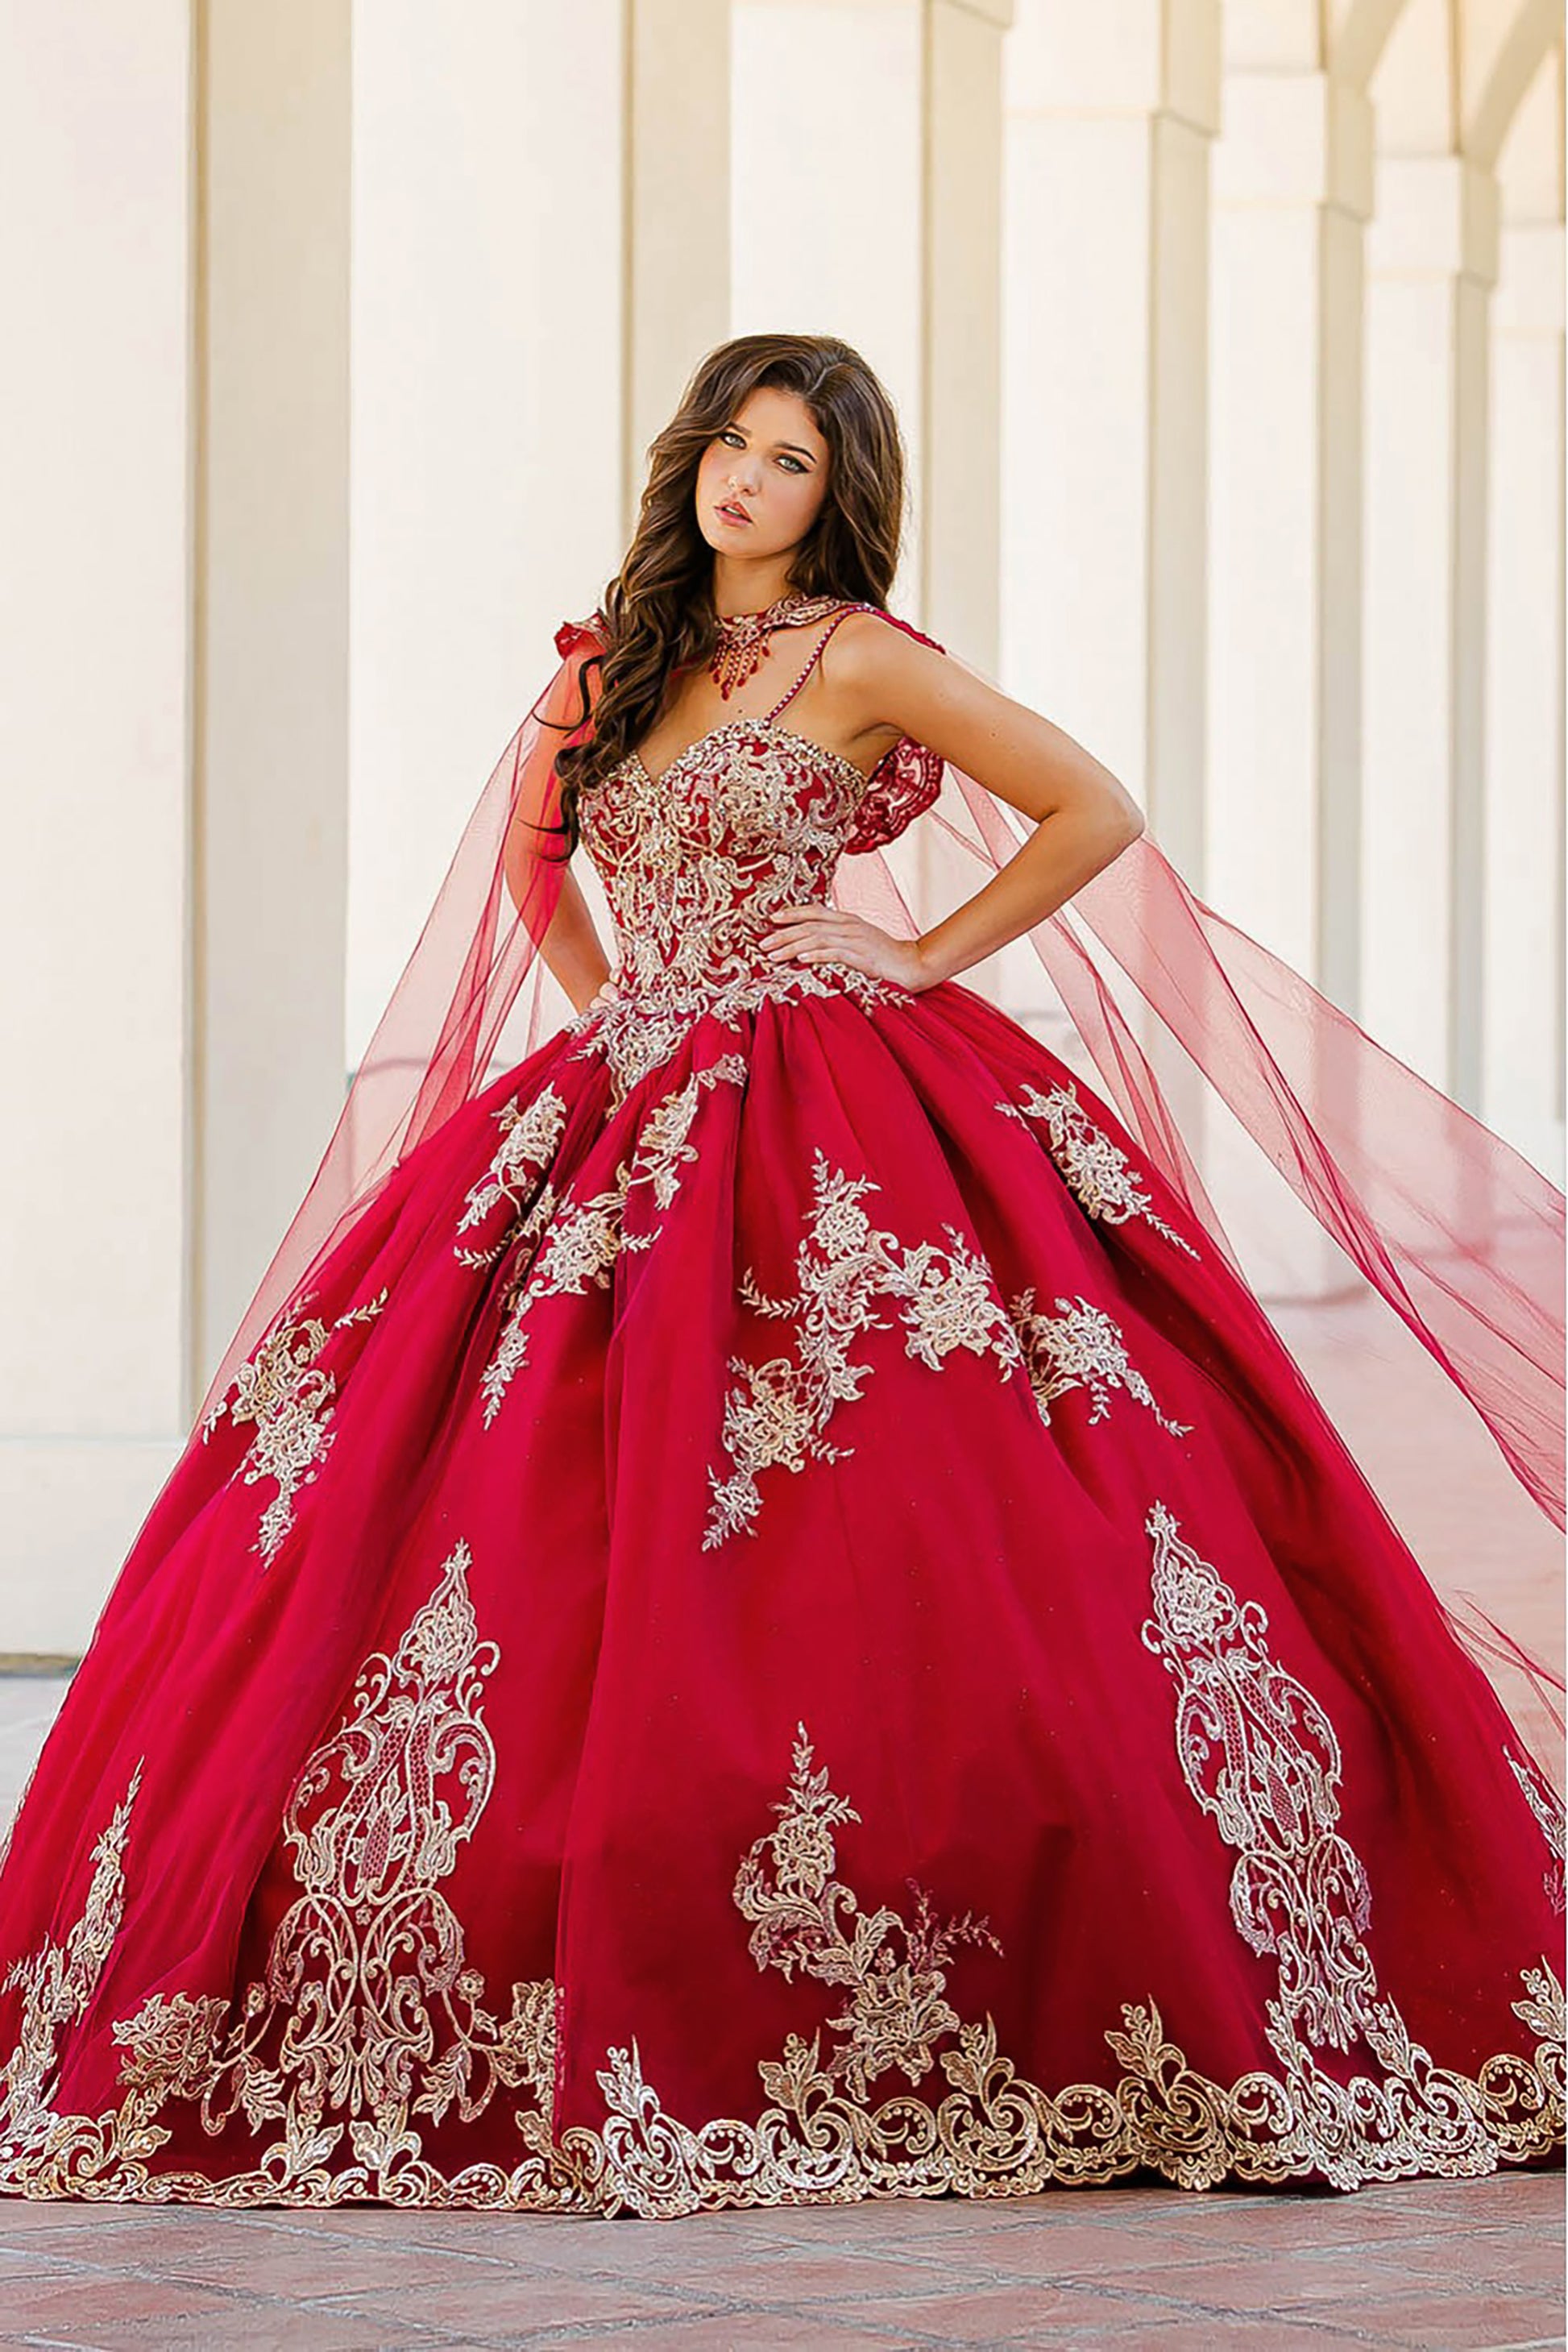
(776, 1414)
(1547, 1806)
(566, 1245)
(803, 1917)
(1081, 1347)
(530, 1140)
(1096, 1170)
(290, 1398)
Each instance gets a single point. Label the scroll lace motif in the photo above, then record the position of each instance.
(369, 2016)
(385, 2024)
(1261, 1756)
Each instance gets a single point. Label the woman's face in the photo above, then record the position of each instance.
(761, 479)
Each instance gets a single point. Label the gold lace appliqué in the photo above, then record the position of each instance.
(570, 1246)
(369, 2016)
(1082, 1347)
(1261, 1756)
(805, 1917)
(57, 1981)
(695, 865)
(290, 1398)
(1547, 1806)
(1096, 1170)
(821, 2136)
(777, 1413)
(530, 1136)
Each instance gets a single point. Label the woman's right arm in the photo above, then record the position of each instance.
(572, 949)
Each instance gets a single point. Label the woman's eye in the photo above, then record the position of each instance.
(733, 438)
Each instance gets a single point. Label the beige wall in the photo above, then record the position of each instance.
(96, 1188)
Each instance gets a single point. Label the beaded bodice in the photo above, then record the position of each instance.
(749, 818)
(696, 862)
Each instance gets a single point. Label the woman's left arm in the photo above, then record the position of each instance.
(881, 678)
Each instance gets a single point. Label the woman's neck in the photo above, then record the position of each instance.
(742, 587)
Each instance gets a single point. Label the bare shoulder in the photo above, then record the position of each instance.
(873, 663)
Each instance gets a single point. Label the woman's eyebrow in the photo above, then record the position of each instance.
(798, 449)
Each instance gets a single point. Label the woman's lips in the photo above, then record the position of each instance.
(732, 514)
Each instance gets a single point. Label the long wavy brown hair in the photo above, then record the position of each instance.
(658, 615)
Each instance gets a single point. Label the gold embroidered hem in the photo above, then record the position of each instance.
(370, 2017)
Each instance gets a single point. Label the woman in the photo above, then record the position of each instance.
(767, 1618)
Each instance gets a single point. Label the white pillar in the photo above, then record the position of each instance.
(271, 741)
(1111, 113)
(867, 195)
(1522, 861)
(1109, 116)
(1292, 191)
(540, 257)
(1433, 258)
(96, 192)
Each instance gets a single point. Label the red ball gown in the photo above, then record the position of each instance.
(778, 1625)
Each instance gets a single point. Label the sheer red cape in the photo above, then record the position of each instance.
(1163, 1002)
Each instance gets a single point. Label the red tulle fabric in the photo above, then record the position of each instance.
(1437, 1216)
(759, 1612)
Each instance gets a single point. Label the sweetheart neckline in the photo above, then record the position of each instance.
(746, 718)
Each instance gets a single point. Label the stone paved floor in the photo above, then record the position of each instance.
(1420, 2265)
(1435, 2267)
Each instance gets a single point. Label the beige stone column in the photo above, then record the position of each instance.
(270, 786)
(867, 183)
(96, 193)
(1293, 192)
(1523, 858)
(1433, 260)
(1111, 115)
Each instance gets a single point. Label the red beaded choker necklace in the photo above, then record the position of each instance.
(744, 636)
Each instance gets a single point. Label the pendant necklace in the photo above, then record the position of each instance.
(744, 636)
